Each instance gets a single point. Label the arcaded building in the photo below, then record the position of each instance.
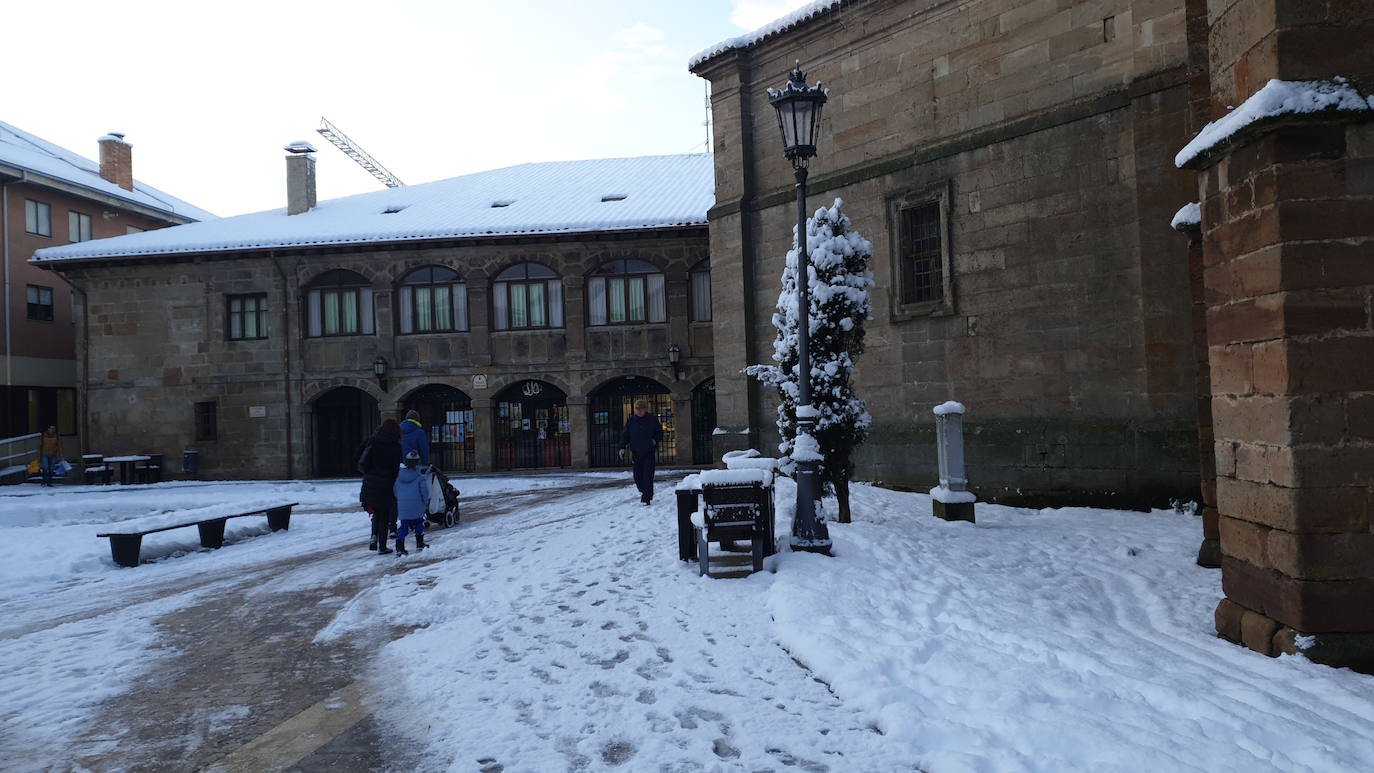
(520, 311)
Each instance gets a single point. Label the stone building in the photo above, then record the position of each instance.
(51, 196)
(1010, 163)
(520, 311)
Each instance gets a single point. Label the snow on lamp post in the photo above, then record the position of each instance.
(951, 500)
(799, 116)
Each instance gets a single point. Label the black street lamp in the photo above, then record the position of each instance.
(799, 116)
(675, 359)
(379, 370)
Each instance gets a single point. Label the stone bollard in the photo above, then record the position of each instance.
(951, 500)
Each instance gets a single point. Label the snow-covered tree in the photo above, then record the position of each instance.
(838, 278)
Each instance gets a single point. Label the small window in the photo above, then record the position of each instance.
(502, 203)
(527, 295)
(918, 222)
(615, 197)
(626, 292)
(40, 303)
(433, 299)
(207, 426)
(700, 290)
(339, 303)
(37, 218)
(247, 317)
(922, 272)
(132, 229)
(78, 226)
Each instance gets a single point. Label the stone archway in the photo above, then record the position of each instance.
(531, 427)
(613, 402)
(343, 418)
(447, 418)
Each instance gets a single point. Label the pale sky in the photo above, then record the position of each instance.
(208, 93)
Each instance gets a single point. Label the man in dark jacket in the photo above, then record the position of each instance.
(379, 462)
(642, 434)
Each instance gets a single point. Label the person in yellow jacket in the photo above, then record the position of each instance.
(49, 454)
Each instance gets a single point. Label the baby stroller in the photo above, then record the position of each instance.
(443, 500)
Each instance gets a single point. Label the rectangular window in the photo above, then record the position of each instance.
(615, 294)
(40, 303)
(922, 269)
(247, 317)
(37, 218)
(596, 299)
(424, 308)
(538, 317)
(701, 296)
(78, 226)
(339, 312)
(132, 229)
(658, 301)
(206, 424)
(519, 306)
(636, 306)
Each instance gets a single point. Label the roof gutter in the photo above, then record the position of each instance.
(5, 253)
(100, 197)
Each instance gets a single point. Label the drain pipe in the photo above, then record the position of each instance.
(5, 230)
(286, 364)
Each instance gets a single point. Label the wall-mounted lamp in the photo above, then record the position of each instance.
(379, 369)
(675, 359)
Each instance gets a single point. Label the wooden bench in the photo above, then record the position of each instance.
(735, 505)
(125, 546)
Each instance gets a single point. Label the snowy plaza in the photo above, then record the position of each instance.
(555, 629)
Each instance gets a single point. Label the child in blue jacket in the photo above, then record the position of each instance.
(412, 497)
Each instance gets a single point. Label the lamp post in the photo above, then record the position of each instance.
(675, 359)
(379, 370)
(799, 116)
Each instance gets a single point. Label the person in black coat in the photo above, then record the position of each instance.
(379, 461)
(642, 435)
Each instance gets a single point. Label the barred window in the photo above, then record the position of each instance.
(626, 292)
(922, 261)
(207, 426)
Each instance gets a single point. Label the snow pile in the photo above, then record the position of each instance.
(951, 497)
(806, 12)
(1275, 99)
(947, 407)
(1188, 216)
(736, 477)
(806, 449)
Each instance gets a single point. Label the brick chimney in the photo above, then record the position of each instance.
(300, 177)
(117, 160)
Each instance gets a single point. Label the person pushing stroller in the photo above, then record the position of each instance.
(412, 500)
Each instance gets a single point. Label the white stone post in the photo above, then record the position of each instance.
(951, 500)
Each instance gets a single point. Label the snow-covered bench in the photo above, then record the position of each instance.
(735, 505)
(125, 546)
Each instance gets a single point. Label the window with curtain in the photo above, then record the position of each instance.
(339, 303)
(432, 299)
(247, 317)
(699, 288)
(525, 296)
(626, 292)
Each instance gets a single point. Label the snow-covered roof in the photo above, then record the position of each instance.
(38, 156)
(612, 194)
(797, 17)
(1275, 99)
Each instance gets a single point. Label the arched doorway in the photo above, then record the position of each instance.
(613, 403)
(446, 415)
(531, 426)
(344, 418)
(703, 421)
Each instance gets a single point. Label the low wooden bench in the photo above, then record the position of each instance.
(125, 546)
(735, 505)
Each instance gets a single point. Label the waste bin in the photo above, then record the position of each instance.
(190, 462)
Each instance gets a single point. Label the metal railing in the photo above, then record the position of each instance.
(11, 459)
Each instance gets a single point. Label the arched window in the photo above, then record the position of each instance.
(626, 292)
(433, 299)
(527, 295)
(339, 303)
(699, 288)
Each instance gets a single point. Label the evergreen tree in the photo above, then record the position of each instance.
(839, 278)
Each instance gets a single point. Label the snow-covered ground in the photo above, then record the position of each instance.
(566, 635)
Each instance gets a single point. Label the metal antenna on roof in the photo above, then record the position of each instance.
(706, 100)
(350, 149)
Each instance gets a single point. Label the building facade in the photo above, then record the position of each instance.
(1010, 163)
(51, 196)
(520, 312)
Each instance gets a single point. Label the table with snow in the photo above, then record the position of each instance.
(735, 505)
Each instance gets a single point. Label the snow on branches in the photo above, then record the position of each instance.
(839, 279)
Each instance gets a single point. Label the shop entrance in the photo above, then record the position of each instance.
(344, 418)
(446, 415)
(531, 426)
(613, 403)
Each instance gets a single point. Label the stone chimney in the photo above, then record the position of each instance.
(117, 160)
(300, 177)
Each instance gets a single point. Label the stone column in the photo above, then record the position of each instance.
(575, 319)
(484, 447)
(1286, 208)
(479, 322)
(581, 431)
(1209, 553)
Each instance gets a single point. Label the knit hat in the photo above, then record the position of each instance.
(412, 415)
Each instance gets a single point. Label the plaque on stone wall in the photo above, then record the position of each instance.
(257, 411)
(479, 381)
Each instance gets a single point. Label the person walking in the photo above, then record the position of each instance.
(49, 454)
(380, 462)
(413, 437)
(641, 436)
(412, 499)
